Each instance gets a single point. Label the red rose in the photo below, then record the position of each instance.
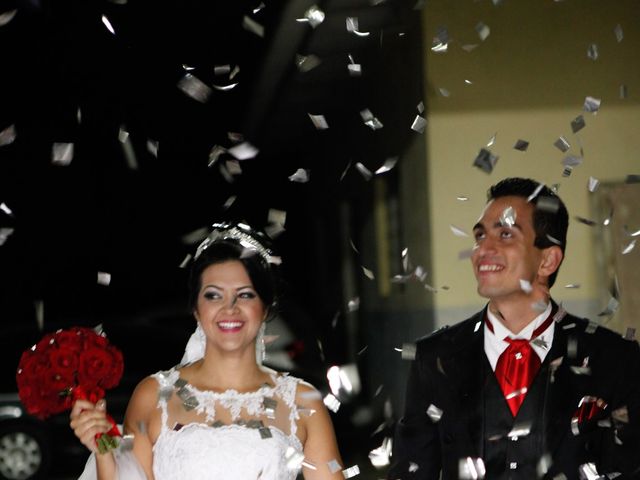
(72, 339)
(64, 359)
(112, 378)
(94, 365)
(94, 339)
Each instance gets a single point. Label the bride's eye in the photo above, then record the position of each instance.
(247, 295)
(210, 295)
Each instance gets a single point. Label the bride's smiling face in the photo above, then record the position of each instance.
(228, 306)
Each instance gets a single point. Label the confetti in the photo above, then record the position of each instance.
(369, 120)
(5, 232)
(300, 175)
(572, 285)
(194, 87)
(351, 471)
(622, 92)
(562, 144)
(591, 105)
(413, 467)
(233, 167)
(483, 31)
(444, 92)
(408, 351)
(471, 469)
(6, 209)
(618, 33)
(548, 204)
(314, 16)
(353, 27)
(440, 42)
(458, 232)
(334, 466)
(379, 456)
(353, 304)
(152, 147)
(526, 287)
(492, 140)
(630, 334)
(593, 184)
(368, 273)
(331, 402)
(485, 160)
(6, 17)
(588, 471)
(8, 135)
(521, 145)
(419, 124)
(307, 63)
(293, 458)
(577, 124)
(214, 154)
(508, 217)
(469, 47)
(243, 151)
(252, 26)
(462, 198)
(611, 308)
(62, 154)
(592, 52)
(519, 430)
(434, 413)
(389, 163)
(107, 24)
(104, 278)
(364, 171)
(319, 121)
(629, 247)
(586, 221)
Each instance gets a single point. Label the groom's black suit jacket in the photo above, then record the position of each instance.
(451, 373)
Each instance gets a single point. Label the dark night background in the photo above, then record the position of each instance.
(66, 79)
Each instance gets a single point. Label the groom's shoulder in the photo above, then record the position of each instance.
(450, 335)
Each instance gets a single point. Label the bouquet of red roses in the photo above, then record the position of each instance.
(65, 366)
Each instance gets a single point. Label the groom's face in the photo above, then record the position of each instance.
(504, 257)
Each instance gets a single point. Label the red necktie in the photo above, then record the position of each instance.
(517, 366)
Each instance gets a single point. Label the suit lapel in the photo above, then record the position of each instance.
(465, 369)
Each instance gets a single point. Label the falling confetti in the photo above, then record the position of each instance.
(458, 232)
(389, 163)
(104, 278)
(370, 121)
(629, 247)
(562, 144)
(62, 153)
(307, 63)
(252, 26)
(243, 151)
(8, 135)
(577, 124)
(419, 124)
(618, 32)
(6, 17)
(319, 121)
(364, 171)
(521, 145)
(194, 88)
(593, 184)
(591, 105)
(592, 51)
(483, 31)
(485, 160)
(314, 16)
(300, 175)
(107, 24)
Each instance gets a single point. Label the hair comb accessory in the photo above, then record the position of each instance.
(252, 240)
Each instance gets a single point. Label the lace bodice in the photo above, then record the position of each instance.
(228, 435)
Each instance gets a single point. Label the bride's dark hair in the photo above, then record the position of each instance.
(223, 250)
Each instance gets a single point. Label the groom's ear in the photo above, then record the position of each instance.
(195, 314)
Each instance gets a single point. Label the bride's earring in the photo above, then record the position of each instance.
(260, 347)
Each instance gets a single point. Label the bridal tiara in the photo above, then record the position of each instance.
(247, 237)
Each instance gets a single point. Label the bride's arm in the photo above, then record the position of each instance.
(320, 445)
(138, 421)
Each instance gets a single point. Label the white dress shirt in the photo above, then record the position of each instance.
(494, 343)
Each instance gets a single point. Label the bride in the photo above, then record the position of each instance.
(219, 414)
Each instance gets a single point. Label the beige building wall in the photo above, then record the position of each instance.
(528, 81)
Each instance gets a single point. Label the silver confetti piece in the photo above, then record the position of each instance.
(152, 147)
(408, 351)
(539, 306)
(214, 154)
(525, 286)
(185, 261)
(630, 334)
(611, 308)
(492, 140)
(571, 161)
(419, 124)
(591, 327)
(379, 456)
(334, 466)
(591, 105)
(458, 232)
(8, 135)
(434, 413)
(225, 88)
(592, 51)
(194, 87)
(471, 468)
(369, 120)
(577, 124)
(306, 63)
(6, 209)
(293, 458)
(519, 430)
(318, 121)
(270, 405)
(389, 163)
(586, 221)
(469, 47)
(353, 27)
(107, 24)
(462, 198)
(5, 232)
(353, 304)
(444, 92)
(440, 42)
(62, 153)
(233, 167)
(6, 17)
(572, 285)
(521, 145)
(508, 217)
(535, 192)
(485, 160)
(265, 433)
(622, 92)
(314, 16)
(243, 151)
(629, 247)
(252, 26)
(368, 273)
(562, 144)
(258, 8)
(354, 69)
(618, 33)
(104, 278)
(364, 171)
(351, 471)
(300, 176)
(588, 471)
(331, 402)
(593, 184)
(483, 31)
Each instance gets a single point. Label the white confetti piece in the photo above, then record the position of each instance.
(8, 135)
(419, 124)
(300, 176)
(107, 24)
(319, 121)
(62, 154)
(194, 87)
(243, 151)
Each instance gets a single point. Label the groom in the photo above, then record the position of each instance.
(521, 390)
